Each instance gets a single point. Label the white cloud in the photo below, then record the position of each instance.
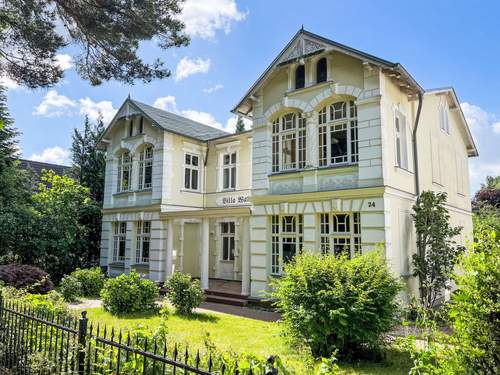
(187, 67)
(64, 61)
(53, 105)
(203, 117)
(496, 127)
(56, 155)
(8, 83)
(476, 117)
(204, 17)
(92, 109)
(167, 103)
(231, 124)
(212, 89)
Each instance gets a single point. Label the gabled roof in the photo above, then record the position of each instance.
(38, 167)
(167, 121)
(450, 91)
(305, 43)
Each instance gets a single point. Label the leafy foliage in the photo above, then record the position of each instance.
(185, 294)
(240, 125)
(129, 293)
(70, 288)
(23, 276)
(91, 280)
(488, 195)
(436, 249)
(334, 303)
(31, 33)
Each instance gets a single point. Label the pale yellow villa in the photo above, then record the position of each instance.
(341, 143)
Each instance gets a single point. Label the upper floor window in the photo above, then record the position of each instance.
(191, 171)
(300, 77)
(289, 142)
(286, 240)
(400, 138)
(131, 127)
(146, 168)
(338, 134)
(444, 123)
(124, 171)
(141, 125)
(340, 233)
(119, 241)
(321, 70)
(143, 241)
(229, 171)
(227, 234)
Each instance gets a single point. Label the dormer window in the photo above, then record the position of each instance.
(321, 70)
(300, 77)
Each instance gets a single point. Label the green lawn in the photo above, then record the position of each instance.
(239, 334)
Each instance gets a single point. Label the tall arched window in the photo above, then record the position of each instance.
(289, 142)
(146, 168)
(124, 171)
(338, 134)
(300, 77)
(321, 68)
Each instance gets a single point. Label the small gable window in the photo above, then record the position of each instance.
(444, 122)
(300, 77)
(141, 125)
(321, 68)
(131, 127)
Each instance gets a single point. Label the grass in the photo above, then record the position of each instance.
(229, 332)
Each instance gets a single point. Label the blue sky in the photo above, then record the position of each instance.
(441, 43)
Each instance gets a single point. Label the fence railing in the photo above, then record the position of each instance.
(40, 342)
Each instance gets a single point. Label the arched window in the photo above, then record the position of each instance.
(300, 77)
(124, 171)
(146, 168)
(289, 142)
(338, 134)
(321, 68)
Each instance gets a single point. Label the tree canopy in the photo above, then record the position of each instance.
(106, 36)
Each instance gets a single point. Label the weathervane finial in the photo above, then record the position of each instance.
(302, 28)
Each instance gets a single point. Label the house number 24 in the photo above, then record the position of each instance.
(371, 204)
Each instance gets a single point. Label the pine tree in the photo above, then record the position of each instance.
(240, 125)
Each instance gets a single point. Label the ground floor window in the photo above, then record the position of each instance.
(227, 234)
(340, 233)
(286, 240)
(143, 241)
(119, 241)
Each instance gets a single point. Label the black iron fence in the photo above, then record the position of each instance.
(35, 341)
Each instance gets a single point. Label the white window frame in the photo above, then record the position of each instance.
(331, 235)
(283, 232)
(189, 167)
(226, 237)
(119, 237)
(444, 120)
(291, 126)
(400, 140)
(231, 170)
(124, 166)
(145, 162)
(332, 119)
(143, 242)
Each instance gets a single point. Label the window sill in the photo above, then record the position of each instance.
(144, 191)
(310, 87)
(126, 192)
(397, 168)
(140, 265)
(117, 264)
(191, 191)
(226, 261)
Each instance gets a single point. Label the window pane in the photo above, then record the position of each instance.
(321, 70)
(233, 177)
(289, 249)
(194, 179)
(194, 160)
(289, 151)
(300, 77)
(187, 178)
(145, 250)
(148, 176)
(225, 248)
(121, 253)
(338, 144)
(231, 248)
(226, 159)
(225, 179)
(188, 159)
(233, 158)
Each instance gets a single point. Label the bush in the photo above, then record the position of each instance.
(129, 293)
(333, 303)
(70, 288)
(182, 292)
(24, 276)
(91, 279)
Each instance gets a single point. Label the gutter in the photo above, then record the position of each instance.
(414, 140)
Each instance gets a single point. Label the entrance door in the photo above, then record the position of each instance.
(192, 248)
(226, 250)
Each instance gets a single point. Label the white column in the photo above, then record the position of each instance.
(236, 247)
(204, 255)
(245, 260)
(181, 246)
(170, 248)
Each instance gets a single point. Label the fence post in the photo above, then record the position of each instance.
(82, 335)
(270, 369)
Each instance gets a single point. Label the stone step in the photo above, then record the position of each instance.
(213, 292)
(226, 300)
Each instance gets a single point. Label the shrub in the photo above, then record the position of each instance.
(70, 288)
(24, 276)
(333, 303)
(91, 279)
(182, 292)
(129, 293)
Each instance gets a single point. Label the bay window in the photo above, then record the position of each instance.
(289, 142)
(124, 172)
(286, 240)
(338, 134)
(143, 241)
(146, 168)
(340, 233)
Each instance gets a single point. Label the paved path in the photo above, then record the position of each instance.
(206, 307)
